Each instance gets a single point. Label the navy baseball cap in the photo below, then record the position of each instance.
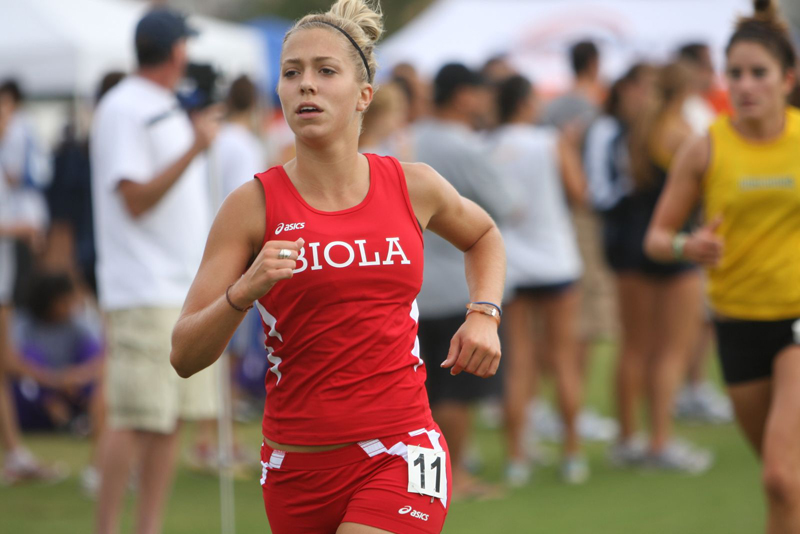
(161, 28)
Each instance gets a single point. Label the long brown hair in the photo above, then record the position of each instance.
(640, 126)
(673, 83)
(634, 74)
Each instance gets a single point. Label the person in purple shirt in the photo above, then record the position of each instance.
(51, 335)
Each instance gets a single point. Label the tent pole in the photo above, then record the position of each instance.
(225, 460)
(225, 446)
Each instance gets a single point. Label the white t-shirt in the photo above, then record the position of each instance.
(138, 131)
(21, 154)
(237, 156)
(698, 113)
(541, 246)
(14, 146)
(22, 161)
(8, 262)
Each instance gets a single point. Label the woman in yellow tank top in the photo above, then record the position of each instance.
(746, 171)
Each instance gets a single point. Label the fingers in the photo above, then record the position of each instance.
(455, 348)
(714, 224)
(708, 251)
(271, 249)
(484, 368)
(270, 267)
(475, 348)
(464, 358)
(291, 245)
(478, 361)
(484, 362)
(206, 125)
(704, 246)
(494, 366)
(283, 274)
(211, 114)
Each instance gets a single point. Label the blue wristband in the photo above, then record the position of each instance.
(500, 311)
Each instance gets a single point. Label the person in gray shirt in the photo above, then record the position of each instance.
(581, 103)
(577, 110)
(448, 143)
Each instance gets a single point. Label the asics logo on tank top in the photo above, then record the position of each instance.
(341, 254)
(289, 227)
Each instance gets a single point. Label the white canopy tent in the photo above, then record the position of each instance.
(535, 34)
(58, 48)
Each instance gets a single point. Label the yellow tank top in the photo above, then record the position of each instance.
(756, 188)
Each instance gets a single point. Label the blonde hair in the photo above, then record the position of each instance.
(387, 99)
(361, 20)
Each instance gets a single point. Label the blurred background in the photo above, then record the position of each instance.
(57, 59)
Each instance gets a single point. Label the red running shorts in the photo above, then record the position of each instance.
(364, 483)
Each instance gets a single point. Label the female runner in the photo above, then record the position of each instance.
(747, 173)
(331, 250)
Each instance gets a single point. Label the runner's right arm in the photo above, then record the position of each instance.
(208, 320)
(681, 195)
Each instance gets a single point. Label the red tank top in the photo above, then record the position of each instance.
(342, 332)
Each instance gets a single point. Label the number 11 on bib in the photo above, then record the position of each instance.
(427, 472)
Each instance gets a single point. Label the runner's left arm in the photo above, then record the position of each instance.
(476, 346)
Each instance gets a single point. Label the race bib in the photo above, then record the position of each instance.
(427, 472)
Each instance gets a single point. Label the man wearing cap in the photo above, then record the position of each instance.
(152, 214)
(448, 143)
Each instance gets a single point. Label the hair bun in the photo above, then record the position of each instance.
(766, 10)
(363, 14)
(767, 28)
(361, 21)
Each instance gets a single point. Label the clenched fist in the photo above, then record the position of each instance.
(704, 246)
(475, 348)
(267, 270)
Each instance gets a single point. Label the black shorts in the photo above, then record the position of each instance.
(624, 230)
(543, 290)
(434, 342)
(747, 349)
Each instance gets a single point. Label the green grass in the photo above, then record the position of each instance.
(727, 500)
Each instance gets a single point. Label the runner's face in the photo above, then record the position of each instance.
(757, 84)
(320, 90)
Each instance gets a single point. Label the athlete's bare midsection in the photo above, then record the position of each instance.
(303, 448)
